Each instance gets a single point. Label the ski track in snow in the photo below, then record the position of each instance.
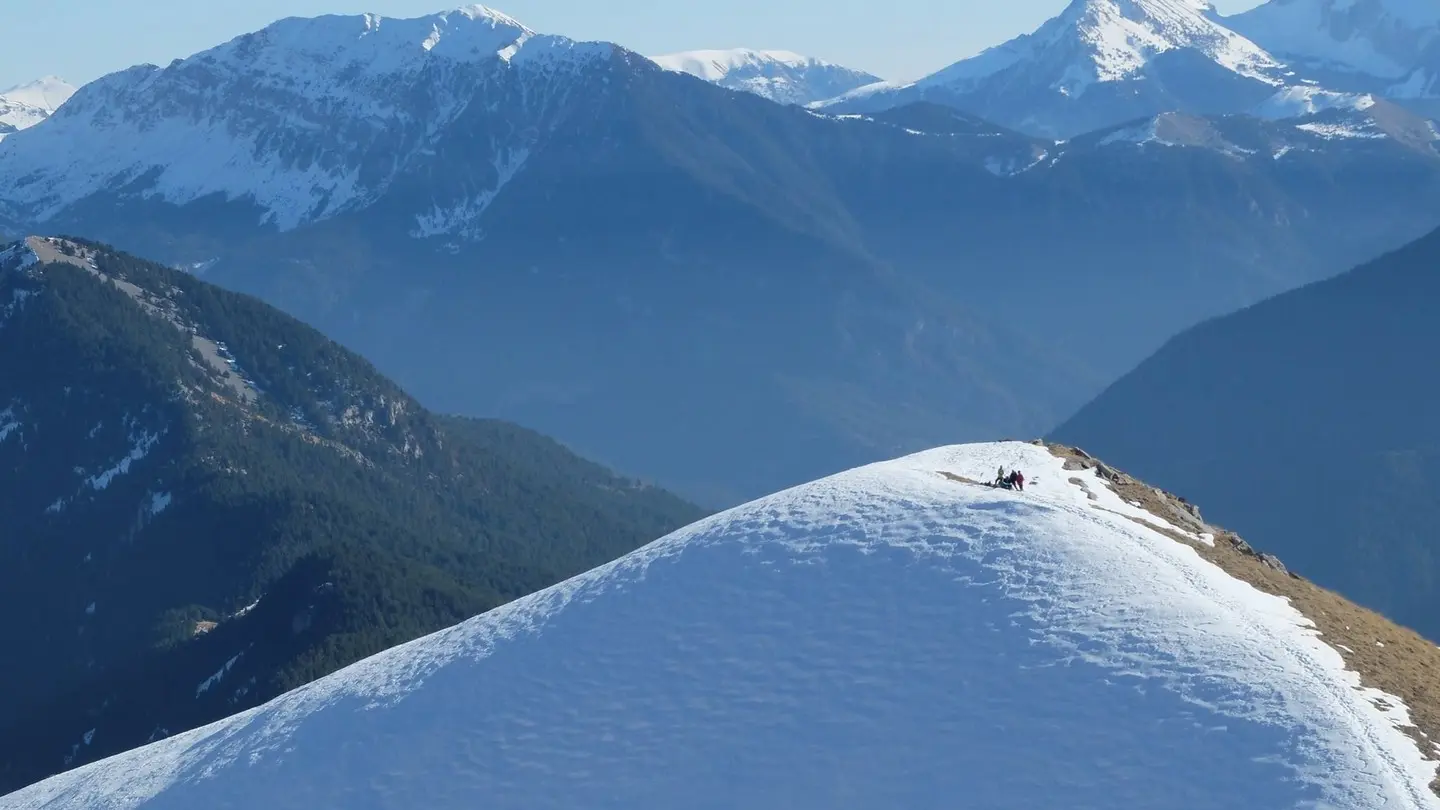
(886, 637)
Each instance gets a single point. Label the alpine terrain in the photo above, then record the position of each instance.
(29, 104)
(781, 76)
(1387, 47)
(893, 636)
(702, 287)
(206, 503)
(1306, 422)
(1106, 62)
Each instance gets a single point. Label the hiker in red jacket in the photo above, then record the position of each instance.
(1020, 480)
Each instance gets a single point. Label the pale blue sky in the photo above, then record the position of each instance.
(80, 40)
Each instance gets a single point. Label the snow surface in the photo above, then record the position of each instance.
(1096, 41)
(1304, 100)
(781, 76)
(887, 637)
(140, 447)
(46, 93)
(715, 65)
(26, 105)
(1378, 37)
(8, 423)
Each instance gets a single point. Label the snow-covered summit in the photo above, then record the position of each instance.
(1097, 63)
(782, 76)
(309, 117)
(46, 93)
(894, 636)
(26, 105)
(1096, 41)
(1385, 39)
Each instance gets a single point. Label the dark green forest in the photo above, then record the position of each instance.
(146, 502)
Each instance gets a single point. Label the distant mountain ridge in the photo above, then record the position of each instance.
(781, 76)
(702, 287)
(1100, 63)
(207, 503)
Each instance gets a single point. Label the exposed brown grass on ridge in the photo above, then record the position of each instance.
(1387, 656)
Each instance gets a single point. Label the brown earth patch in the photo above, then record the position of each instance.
(1387, 656)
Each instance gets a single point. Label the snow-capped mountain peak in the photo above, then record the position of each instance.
(26, 105)
(1387, 39)
(782, 76)
(310, 117)
(1096, 64)
(894, 636)
(46, 93)
(1095, 41)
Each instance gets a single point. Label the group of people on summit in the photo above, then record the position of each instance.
(1012, 480)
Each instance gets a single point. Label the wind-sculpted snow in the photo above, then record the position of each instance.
(887, 637)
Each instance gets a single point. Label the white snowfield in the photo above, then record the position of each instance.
(782, 76)
(884, 638)
(26, 105)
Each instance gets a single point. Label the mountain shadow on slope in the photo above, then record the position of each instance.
(207, 503)
(1307, 423)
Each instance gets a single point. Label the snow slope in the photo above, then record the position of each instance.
(887, 637)
(781, 76)
(1387, 39)
(26, 105)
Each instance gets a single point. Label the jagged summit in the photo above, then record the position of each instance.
(1100, 62)
(782, 76)
(894, 636)
(375, 95)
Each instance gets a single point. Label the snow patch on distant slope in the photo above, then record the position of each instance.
(462, 218)
(9, 423)
(215, 679)
(889, 635)
(140, 446)
(1302, 100)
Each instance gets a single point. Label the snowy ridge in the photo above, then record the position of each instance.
(893, 635)
(1303, 100)
(1386, 39)
(304, 119)
(781, 76)
(26, 105)
(1101, 41)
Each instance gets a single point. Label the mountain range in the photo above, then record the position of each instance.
(206, 503)
(1324, 389)
(1105, 62)
(26, 105)
(697, 286)
(894, 636)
